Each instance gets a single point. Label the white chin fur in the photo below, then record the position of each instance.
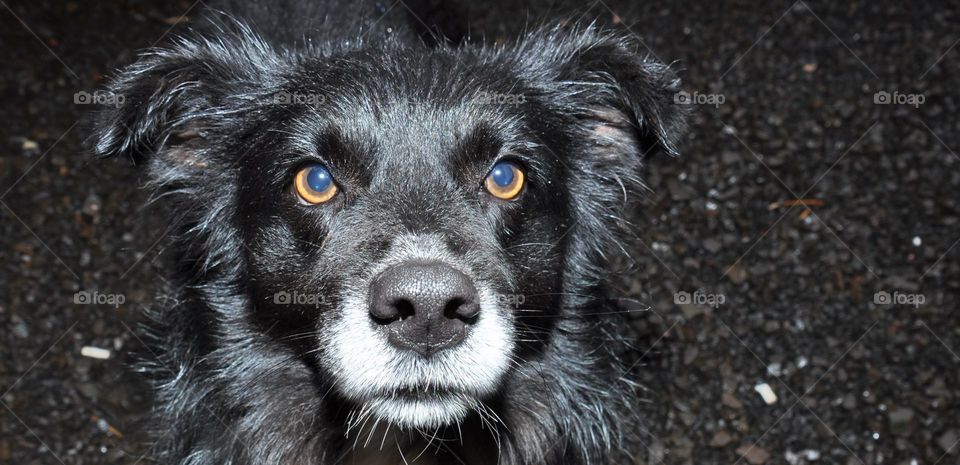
(369, 371)
(425, 414)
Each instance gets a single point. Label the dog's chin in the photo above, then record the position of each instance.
(422, 412)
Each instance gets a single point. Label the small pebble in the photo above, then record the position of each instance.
(730, 400)
(775, 369)
(949, 442)
(754, 454)
(901, 415)
(95, 352)
(20, 328)
(766, 392)
(792, 457)
(720, 439)
(712, 245)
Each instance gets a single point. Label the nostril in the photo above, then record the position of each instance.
(452, 308)
(385, 313)
(405, 308)
(459, 308)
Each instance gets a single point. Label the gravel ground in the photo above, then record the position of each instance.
(786, 354)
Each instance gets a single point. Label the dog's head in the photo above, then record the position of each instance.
(412, 223)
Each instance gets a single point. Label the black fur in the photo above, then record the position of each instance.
(242, 381)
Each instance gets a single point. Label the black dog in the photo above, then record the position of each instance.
(387, 249)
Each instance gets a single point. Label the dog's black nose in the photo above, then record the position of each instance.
(424, 307)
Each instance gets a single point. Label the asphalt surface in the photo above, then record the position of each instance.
(787, 355)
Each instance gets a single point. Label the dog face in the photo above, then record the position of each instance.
(414, 260)
(412, 224)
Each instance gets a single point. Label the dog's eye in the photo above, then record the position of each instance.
(314, 184)
(505, 180)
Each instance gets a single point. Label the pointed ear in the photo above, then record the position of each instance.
(617, 87)
(173, 94)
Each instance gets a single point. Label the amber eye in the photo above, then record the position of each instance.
(505, 180)
(314, 184)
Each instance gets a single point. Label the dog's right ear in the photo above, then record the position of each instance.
(624, 94)
(174, 93)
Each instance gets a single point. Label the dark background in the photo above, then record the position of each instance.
(857, 382)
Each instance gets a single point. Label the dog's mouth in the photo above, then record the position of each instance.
(422, 393)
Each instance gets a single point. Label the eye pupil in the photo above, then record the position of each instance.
(502, 174)
(319, 179)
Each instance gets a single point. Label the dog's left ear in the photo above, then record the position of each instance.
(615, 86)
